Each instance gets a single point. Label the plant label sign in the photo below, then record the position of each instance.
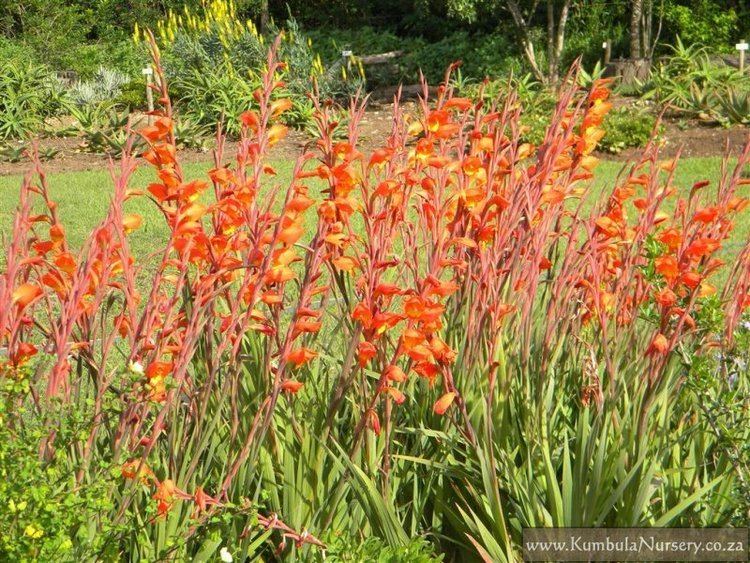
(742, 47)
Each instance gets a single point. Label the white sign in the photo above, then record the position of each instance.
(346, 53)
(742, 46)
(604, 45)
(148, 70)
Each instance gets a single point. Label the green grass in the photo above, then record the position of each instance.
(83, 197)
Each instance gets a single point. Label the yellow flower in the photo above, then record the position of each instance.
(33, 532)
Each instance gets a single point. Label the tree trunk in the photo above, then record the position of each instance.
(556, 38)
(526, 44)
(264, 17)
(636, 14)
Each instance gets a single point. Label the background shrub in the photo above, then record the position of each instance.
(29, 93)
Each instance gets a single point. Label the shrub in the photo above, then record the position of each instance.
(105, 86)
(704, 22)
(214, 60)
(132, 95)
(29, 93)
(436, 341)
(626, 128)
(692, 84)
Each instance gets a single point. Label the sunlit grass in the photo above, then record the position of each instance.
(83, 197)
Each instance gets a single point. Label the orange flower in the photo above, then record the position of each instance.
(414, 307)
(442, 404)
(292, 386)
(702, 247)
(667, 266)
(300, 356)
(345, 263)
(165, 495)
(365, 352)
(202, 500)
(25, 294)
(373, 421)
(665, 297)
(276, 133)
(395, 394)
(707, 214)
(395, 374)
(251, 120)
(672, 238)
(135, 468)
(159, 369)
(131, 222)
(461, 104)
(23, 352)
(305, 325)
(659, 345)
(280, 106)
(291, 234)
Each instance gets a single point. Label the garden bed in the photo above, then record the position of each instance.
(696, 139)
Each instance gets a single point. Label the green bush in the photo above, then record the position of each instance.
(625, 128)
(692, 84)
(86, 58)
(133, 95)
(44, 515)
(703, 21)
(29, 93)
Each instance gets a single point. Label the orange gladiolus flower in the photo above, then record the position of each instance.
(442, 404)
(131, 222)
(665, 297)
(707, 214)
(395, 394)
(659, 345)
(276, 133)
(365, 352)
(291, 234)
(135, 468)
(667, 266)
(25, 294)
(280, 106)
(292, 386)
(395, 374)
(702, 247)
(461, 104)
(300, 356)
(672, 238)
(345, 263)
(66, 262)
(373, 421)
(251, 120)
(414, 307)
(159, 369)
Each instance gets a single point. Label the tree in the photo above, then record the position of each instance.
(557, 20)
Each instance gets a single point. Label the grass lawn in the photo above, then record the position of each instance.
(83, 197)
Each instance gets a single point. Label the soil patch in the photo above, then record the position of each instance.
(693, 138)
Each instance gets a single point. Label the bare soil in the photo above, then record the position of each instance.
(694, 139)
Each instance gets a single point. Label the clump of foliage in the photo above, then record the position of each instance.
(215, 61)
(693, 84)
(420, 350)
(104, 86)
(626, 128)
(705, 22)
(29, 94)
(45, 514)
